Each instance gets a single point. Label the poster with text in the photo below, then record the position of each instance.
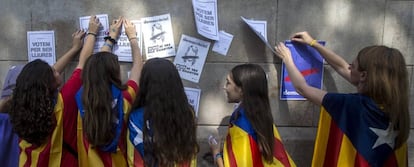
(158, 36)
(206, 18)
(259, 27)
(310, 64)
(193, 96)
(103, 30)
(123, 48)
(41, 45)
(191, 56)
(222, 46)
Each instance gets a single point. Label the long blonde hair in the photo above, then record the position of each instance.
(387, 85)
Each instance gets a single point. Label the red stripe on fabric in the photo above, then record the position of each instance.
(360, 161)
(392, 160)
(333, 147)
(138, 162)
(28, 152)
(105, 157)
(186, 164)
(256, 155)
(43, 159)
(232, 159)
(127, 97)
(85, 143)
(279, 153)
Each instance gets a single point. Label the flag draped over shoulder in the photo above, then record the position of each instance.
(241, 147)
(115, 154)
(353, 131)
(135, 145)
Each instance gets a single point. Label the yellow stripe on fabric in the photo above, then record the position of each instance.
(277, 136)
(130, 150)
(225, 154)
(57, 136)
(82, 155)
(23, 157)
(241, 146)
(118, 158)
(321, 138)
(347, 153)
(401, 155)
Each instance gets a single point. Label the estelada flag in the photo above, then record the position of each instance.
(241, 147)
(354, 132)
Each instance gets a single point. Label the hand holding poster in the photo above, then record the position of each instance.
(205, 14)
(158, 36)
(41, 45)
(123, 49)
(103, 31)
(191, 56)
(309, 63)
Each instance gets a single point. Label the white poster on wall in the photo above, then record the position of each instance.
(191, 56)
(206, 18)
(158, 36)
(41, 45)
(103, 30)
(193, 96)
(123, 48)
(259, 27)
(222, 46)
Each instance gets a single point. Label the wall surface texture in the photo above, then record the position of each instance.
(346, 25)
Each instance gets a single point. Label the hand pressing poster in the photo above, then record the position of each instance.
(123, 48)
(191, 56)
(158, 36)
(193, 96)
(41, 45)
(310, 64)
(103, 30)
(260, 28)
(206, 18)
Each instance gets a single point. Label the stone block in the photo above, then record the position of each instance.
(399, 28)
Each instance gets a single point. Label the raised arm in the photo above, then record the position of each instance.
(313, 94)
(136, 53)
(77, 42)
(114, 32)
(87, 49)
(336, 61)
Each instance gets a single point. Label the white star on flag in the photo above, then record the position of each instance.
(386, 136)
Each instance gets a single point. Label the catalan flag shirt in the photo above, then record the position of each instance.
(135, 142)
(60, 149)
(241, 148)
(113, 154)
(354, 131)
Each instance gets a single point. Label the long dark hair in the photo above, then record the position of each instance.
(387, 84)
(171, 118)
(100, 72)
(32, 103)
(252, 79)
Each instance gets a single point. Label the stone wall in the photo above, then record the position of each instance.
(347, 26)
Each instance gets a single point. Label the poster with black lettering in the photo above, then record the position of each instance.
(190, 58)
(41, 45)
(206, 18)
(158, 36)
(193, 96)
(123, 48)
(103, 30)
